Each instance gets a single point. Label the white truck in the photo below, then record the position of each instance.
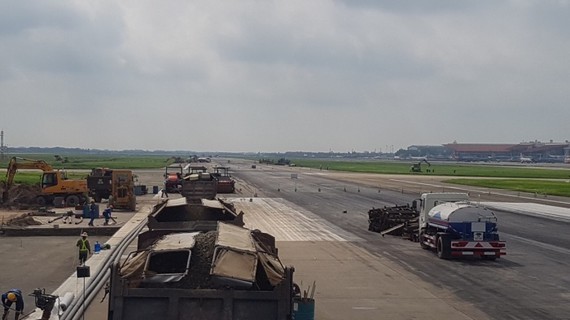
(454, 227)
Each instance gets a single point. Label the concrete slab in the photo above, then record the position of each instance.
(354, 284)
(287, 221)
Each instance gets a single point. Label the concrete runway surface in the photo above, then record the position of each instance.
(320, 222)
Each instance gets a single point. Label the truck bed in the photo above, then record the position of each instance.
(208, 304)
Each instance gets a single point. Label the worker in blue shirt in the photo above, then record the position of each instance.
(92, 213)
(107, 215)
(13, 295)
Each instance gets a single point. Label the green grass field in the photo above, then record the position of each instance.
(95, 161)
(522, 179)
(452, 169)
(549, 187)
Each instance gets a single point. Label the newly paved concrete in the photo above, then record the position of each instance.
(531, 209)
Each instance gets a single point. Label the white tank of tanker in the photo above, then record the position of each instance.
(461, 212)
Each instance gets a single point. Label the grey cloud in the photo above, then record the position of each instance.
(284, 75)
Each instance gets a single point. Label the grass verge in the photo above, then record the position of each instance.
(549, 187)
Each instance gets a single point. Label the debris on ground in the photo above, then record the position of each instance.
(22, 220)
(21, 196)
(397, 220)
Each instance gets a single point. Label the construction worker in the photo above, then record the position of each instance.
(92, 212)
(13, 295)
(84, 248)
(107, 215)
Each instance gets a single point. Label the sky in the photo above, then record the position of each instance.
(276, 76)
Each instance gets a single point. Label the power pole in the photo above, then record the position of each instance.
(2, 145)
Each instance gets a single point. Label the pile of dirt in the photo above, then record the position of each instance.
(22, 220)
(200, 263)
(21, 195)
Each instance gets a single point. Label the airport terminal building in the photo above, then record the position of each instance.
(546, 152)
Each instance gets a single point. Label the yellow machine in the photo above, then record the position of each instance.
(54, 183)
(417, 167)
(115, 185)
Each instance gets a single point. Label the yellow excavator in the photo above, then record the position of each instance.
(54, 183)
(417, 167)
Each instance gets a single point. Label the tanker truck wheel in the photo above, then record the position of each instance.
(422, 244)
(443, 246)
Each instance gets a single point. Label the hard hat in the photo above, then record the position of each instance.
(84, 234)
(12, 296)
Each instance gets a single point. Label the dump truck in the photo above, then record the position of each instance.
(224, 181)
(196, 261)
(199, 184)
(54, 183)
(446, 223)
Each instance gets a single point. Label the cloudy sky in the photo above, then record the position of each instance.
(292, 75)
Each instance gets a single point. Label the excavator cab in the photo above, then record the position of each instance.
(49, 179)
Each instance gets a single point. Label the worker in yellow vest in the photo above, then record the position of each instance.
(84, 248)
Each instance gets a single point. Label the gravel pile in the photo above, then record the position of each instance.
(20, 195)
(199, 272)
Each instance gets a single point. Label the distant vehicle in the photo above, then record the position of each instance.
(417, 167)
(173, 175)
(224, 181)
(204, 160)
(524, 159)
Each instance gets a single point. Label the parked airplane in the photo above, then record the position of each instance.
(526, 159)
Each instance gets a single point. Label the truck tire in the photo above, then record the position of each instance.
(133, 204)
(443, 246)
(71, 201)
(422, 244)
(41, 201)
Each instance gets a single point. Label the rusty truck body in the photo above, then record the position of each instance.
(196, 261)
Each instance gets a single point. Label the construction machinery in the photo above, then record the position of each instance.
(198, 184)
(196, 261)
(446, 223)
(417, 167)
(173, 175)
(224, 181)
(115, 185)
(54, 183)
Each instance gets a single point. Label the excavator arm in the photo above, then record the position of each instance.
(23, 163)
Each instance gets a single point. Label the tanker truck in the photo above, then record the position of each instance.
(453, 227)
(444, 222)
